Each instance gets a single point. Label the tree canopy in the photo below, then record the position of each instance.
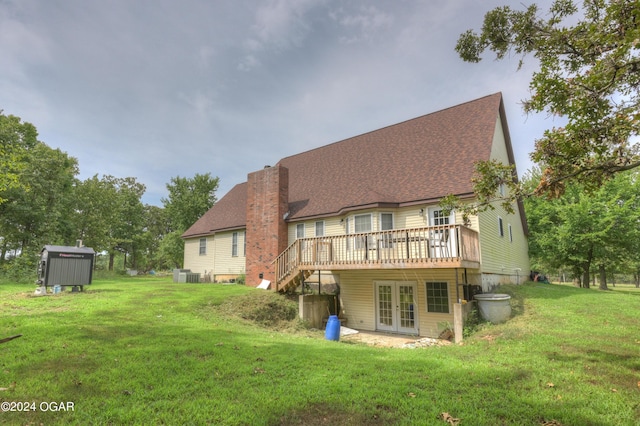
(17, 138)
(581, 231)
(589, 74)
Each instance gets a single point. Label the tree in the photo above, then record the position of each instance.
(109, 214)
(156, 228)
(17, 138)
(36, 210)
(189, 199)
(583, 230)
(589, 73)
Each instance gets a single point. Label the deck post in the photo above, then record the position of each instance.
(457, 322)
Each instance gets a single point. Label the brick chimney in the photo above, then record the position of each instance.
(267, 235)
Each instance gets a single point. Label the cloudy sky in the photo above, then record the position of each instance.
(155, 89)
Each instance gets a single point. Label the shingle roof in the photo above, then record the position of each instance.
(230, 212)
(414, 161)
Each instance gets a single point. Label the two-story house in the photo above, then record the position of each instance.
(365, 211)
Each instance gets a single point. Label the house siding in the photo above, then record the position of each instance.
(357, 297)
(217, 263)
(503, 260)
(196, 262)
(227, 266)
(403, 217)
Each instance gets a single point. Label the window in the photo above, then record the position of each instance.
(361, 225)
(234, 244)
(438, 297)
(439, 218)
(320, 229)
(203, 246)
(300, 230)
(386, 223)
(500, 227)
(510, 234)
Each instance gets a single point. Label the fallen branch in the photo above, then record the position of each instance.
(6, 339)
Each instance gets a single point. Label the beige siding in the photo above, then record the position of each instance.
(218, 262)
(505, 257)
(196, 262)
(405, 217)
(226, 264)
(357, 297)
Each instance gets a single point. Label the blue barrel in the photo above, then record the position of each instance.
(333, 328)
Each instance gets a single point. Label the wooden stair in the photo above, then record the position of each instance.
(293, 280)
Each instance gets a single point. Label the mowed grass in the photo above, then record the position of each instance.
(144, 350)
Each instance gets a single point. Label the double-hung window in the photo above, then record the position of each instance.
(361, 225)
(386, 224)
(234, 244)
(203, 247)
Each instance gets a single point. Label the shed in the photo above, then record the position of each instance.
(65, 266)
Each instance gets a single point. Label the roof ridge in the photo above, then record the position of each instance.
(390, 126)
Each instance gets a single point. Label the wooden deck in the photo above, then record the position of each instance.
(446, 246)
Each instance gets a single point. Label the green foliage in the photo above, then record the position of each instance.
(589, 74)
(20, 269)
(171, 251)
(494, 183)
(189, 199)
(42, 202)
(17, 138)
(582, 229)
(144, 350)
(36, 210)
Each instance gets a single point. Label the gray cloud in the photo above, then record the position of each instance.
(157, 89)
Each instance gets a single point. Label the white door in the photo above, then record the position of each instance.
(396, 309)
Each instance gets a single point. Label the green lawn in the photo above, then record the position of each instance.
(147, 351)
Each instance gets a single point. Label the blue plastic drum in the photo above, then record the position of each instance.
(332, 331)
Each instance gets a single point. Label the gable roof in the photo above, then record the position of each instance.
(416, 161)
(230, 212)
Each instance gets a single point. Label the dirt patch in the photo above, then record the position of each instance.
(323, 414)
(384, 340)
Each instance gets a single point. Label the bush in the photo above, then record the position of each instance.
(21, 269)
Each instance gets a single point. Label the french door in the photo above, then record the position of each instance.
(396, 309)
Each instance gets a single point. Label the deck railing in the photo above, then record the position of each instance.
(434, 246)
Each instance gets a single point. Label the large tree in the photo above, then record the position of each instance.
(583, 231)
(109, 214)
(189, 199)
(589, 74)
(17, 139)
(36, 211)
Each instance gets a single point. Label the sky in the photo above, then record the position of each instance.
(155, 89)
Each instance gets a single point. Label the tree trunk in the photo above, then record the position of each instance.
(111, 260)
(603, 277)
(586, 278)
(3, 252)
